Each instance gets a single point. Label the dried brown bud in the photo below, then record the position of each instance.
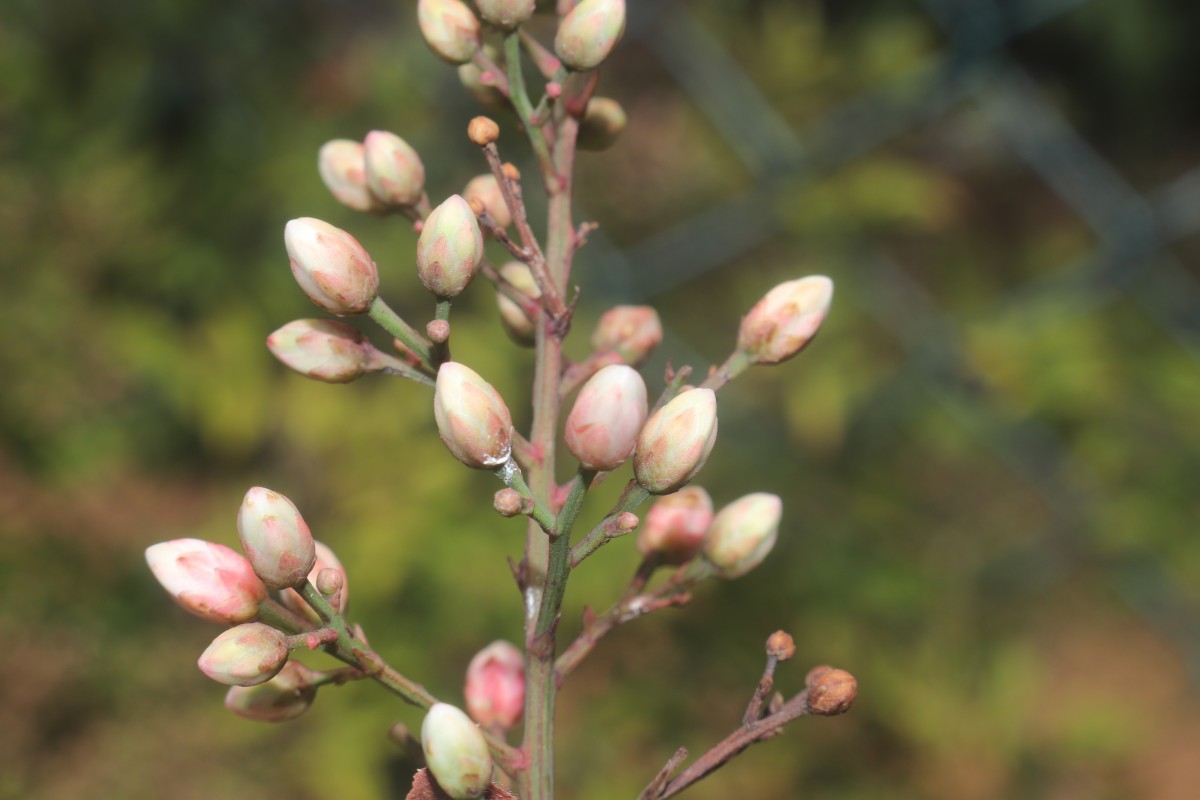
(510, 171)
(507, 502)
(830, 691)
(781, 645)
(476, 205)
(483, 131)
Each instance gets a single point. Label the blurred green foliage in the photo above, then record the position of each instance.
(1001, 617)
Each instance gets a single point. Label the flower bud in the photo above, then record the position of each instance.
(785, 319)
(608, 414)
(675, 442)
(676, 524)
(495, 689)
(830, 691)
(450, 248)
(331, 266)
(602, 123)
(472, 418)
(630, 331)
(506, 14)
(326, 559)
(275, 538)
(742, 533)
(209, 580)
(482, 86)
(284, 697)
(450, 29)
(245, 655)
(395, 174)
(455, 752)
(329, 581)
(342, 168)
(483, 130)
(322, 349)
(781, 645)
(589, 32)
(507, 502)
(486, 190)
(518, 326)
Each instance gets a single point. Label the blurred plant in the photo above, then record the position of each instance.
(610, 422)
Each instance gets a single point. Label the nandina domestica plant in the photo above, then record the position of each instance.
(476, 753)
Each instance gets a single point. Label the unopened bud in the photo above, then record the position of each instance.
(676, 441)
(507, 502)
(395, 174)
(486, 190)
(472, 418)
(509, 171)
(245, 655)
(589, 32)
(608, 414)
(676, 524)
(329, 581)
(518, 326)
(781, 645)
(602, 124)
(284, 697)
(331, 266)
(743, 533)
(623, 523)
(455, 752)
(450, 248)
(506, 14)
(275, 538)
(631, 332)
(341, 164)
(495, 688)
(209, 580)
(322, 349)
(326, 559)
(438, 331)
(450, 29)
(785, 319)
(481, 85)
(483, 130)
(830, 691)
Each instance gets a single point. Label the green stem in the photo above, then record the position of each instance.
(560, 553)
(391, 322)
(632, 497)
(280, 617)
(519, 96)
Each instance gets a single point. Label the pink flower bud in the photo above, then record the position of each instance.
(284, 697)
(472, 418)
(676, 524)
(209, 580)
(495, 690)
(455, 752)
(395, 174)
(341, 166)
(743, 533)
(450, 248)
(486, 190)
(331, 266)
(631, 332)
(608, 414)
(325, 560)
(589, 32)
(506, 14)
(602, 124)
(785, 319)
(275, 538)
(450, 29)
(676, 441)
(518, 326)
(245, 655)
(322, 349)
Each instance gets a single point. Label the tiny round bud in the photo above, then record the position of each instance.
(495, 687)
(483, 130)
(342, 167)
(438, 331)
(275, 538)
(450, 248)
(322, 349)
(676, 441)
(450, 29)
(624, 522)
(608, 414)
(507, 502)
(245, 655)
(602, 124)
(830, 691)
(284, 697)
(785, 320)
(676, 524)
(456, 752)
(472, 418)
(207, 579)
(510, 171)
(331, 266)
(329, 581)
(554, 90)
(781, 645)
(482, 85)
(518, 326)
(326, 559)
(631, 332)
(485, 189)
(743, 533)
(395, 174)
(589, 32)
(506, 14)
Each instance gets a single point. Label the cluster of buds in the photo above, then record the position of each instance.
(380, 173)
